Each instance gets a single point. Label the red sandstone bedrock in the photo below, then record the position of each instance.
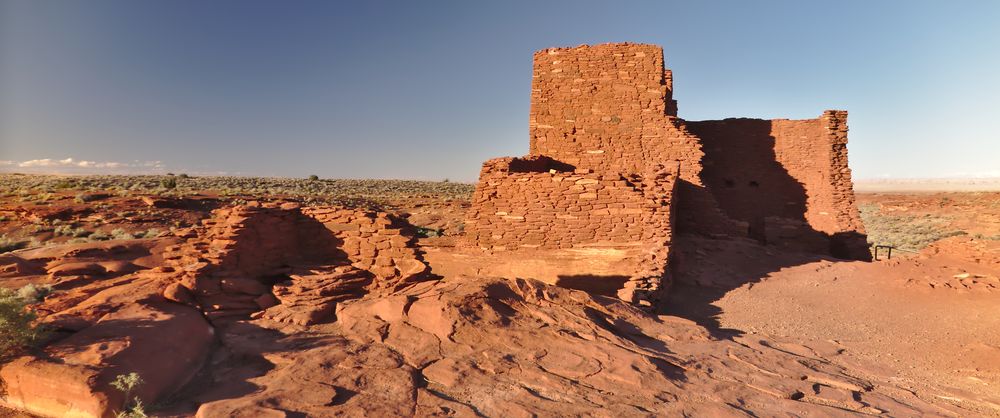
(141, 306)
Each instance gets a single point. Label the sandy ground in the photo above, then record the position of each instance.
(931, 324)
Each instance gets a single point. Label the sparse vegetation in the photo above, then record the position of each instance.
(33, 293)
(119, 233)
(346, 192)
(10, 244)
(987, 237)
(132, 407)
(17, 328)
(169, 183)
(99, 236)
(907, 232)
(428, 232)
(88, 197)
(71, 231)
(313, 177)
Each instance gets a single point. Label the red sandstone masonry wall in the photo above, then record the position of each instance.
(373, 241)
(787, 179)
(609, 108)
(606, 108)
(557, 209)
(604, 115)
(223, 260)
(524, 204)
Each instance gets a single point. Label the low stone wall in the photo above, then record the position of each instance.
(537, 203)
(560, 210)
(372, 241)
(225, 264)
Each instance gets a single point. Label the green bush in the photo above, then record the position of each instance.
(313, 177)
(126, 384)
(428, 232)
(17, 328)
(169, 183)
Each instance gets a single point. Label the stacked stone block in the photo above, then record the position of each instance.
(561, 209)
(603, 118)
(225, 265)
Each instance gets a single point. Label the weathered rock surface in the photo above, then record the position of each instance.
(165, 343)
(334, 326)
(472, 346)
(149, 306)
(311, 295)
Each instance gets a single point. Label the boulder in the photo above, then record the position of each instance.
(165, 343)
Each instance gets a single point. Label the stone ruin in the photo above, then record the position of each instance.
(612, 173)
(281, 263)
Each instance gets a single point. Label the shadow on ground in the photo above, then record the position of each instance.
(705, 269)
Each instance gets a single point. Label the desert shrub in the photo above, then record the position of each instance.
(64, 184)
(169, 183)
(10, 244)
(119, 233)
(908, 232)
(150, 233)
(17, 328)
(88, 197)
(70, 231)
(987, 237)
(428, 232)
(132, 407)
(313, 177)
(33, 293)
(183, 176)
(100, 236)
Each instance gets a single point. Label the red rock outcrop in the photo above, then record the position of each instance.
(475, 346)
(141, 306)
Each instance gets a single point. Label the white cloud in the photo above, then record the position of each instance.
(73, 166)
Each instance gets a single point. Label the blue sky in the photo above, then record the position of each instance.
(428, 90)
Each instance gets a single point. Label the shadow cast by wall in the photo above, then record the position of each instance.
(706, 269)
(746, 221)
(606, 285)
